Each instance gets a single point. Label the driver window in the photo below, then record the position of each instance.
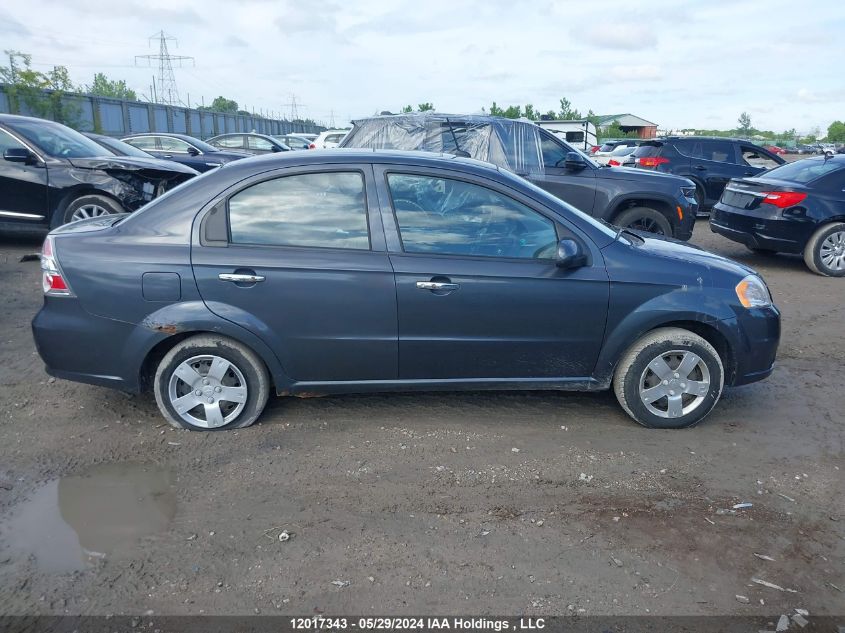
(755, 158)
(554, 154)
(8, 142)
(169, 144)
(451, 217)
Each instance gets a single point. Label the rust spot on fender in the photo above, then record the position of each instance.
(164, 328)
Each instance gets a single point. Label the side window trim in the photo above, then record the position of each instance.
(375, 244)
(398, 170)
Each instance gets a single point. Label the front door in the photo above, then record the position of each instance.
(478, 292)
(304, 268)
(577, 187)
(23, 186)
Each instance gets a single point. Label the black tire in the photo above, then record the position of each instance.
(248, 365)
(636, 367)
(701, 212)
(813, 255)
(106, 205)
(644, 219)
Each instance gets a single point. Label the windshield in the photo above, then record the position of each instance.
(57, 140)
(623, 150)
(804, 171)
(200, 145)
(120, 148)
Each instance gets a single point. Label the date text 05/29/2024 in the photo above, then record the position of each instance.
(417, 623)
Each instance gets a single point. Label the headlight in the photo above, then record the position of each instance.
(752, 292)
(689, 192)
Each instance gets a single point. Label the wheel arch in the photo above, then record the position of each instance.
(84, 189)
(711, 330)
(662, 205)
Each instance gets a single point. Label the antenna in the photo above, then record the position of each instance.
(167, 93)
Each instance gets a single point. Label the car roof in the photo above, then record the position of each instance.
(357, 155)
(184, 137)
(730, 139)
(243, 134)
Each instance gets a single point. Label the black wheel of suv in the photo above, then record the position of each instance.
(211, 383)
(670, 379)
(824, 253)
(644, 219)
(92, 206)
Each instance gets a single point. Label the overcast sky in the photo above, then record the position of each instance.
(679, 64)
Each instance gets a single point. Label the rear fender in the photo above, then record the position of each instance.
(179, 319)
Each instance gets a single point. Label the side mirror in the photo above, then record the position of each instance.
(574, 161)
(569, 254)
(193, 151)
(18, 155)
(276, 148)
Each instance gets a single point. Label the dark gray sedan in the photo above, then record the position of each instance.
(355, 271)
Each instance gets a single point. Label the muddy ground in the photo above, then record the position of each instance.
(428, 503)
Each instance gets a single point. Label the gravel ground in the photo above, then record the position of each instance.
(490, 503)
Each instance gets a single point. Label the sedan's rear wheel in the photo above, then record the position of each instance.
(671, 378)
(211, 383)
(644, 219)
(825, 251)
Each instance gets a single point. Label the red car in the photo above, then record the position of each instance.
(774, 149)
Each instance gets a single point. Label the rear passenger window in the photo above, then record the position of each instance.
(717, 151)
(318, 210)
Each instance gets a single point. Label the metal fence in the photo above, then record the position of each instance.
(116, 117)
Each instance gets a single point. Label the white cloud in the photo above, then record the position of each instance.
(635, 72)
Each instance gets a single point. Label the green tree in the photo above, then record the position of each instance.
(407, 109)
(114, 88)
(425, 107)
(221, 104)
(41, 94)
(836, 132)
(744, 121)
(567, 112)
(530, 113)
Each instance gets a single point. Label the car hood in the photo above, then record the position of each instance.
(675, 250)
(131, 163)
(645, 176)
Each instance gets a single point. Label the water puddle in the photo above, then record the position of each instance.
(70, 523)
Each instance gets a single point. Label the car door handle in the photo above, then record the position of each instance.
(700, 167)
(168, 156)
(239, 278)
(436, 285)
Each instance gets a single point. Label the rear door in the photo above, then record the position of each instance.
(23, 187)
(478, 292)
(714, 163)
(300, 261)
(258, 145)
(577, 187)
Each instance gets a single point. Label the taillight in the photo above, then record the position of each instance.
(594, 149)
(614, 163)
(652, 161)
(783, 199)
(312, 146)
(52, 279)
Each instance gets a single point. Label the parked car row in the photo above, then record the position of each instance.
(51, 174)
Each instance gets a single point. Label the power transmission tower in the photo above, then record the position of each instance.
(167, 92)
(294, 111)
(331, 119)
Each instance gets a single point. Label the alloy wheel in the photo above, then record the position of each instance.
(207, 391)
(647, 225)
(674, 384)
(832, 251)
(89, 211)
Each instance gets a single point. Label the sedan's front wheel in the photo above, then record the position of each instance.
(670, 379)
(211, 383)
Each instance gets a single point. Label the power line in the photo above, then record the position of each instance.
(167, 93)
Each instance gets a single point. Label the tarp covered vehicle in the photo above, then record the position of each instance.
(657, 203)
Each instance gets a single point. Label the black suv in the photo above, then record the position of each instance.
(657, 203)
(710, 162)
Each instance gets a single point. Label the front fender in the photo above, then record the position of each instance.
(659, 312)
